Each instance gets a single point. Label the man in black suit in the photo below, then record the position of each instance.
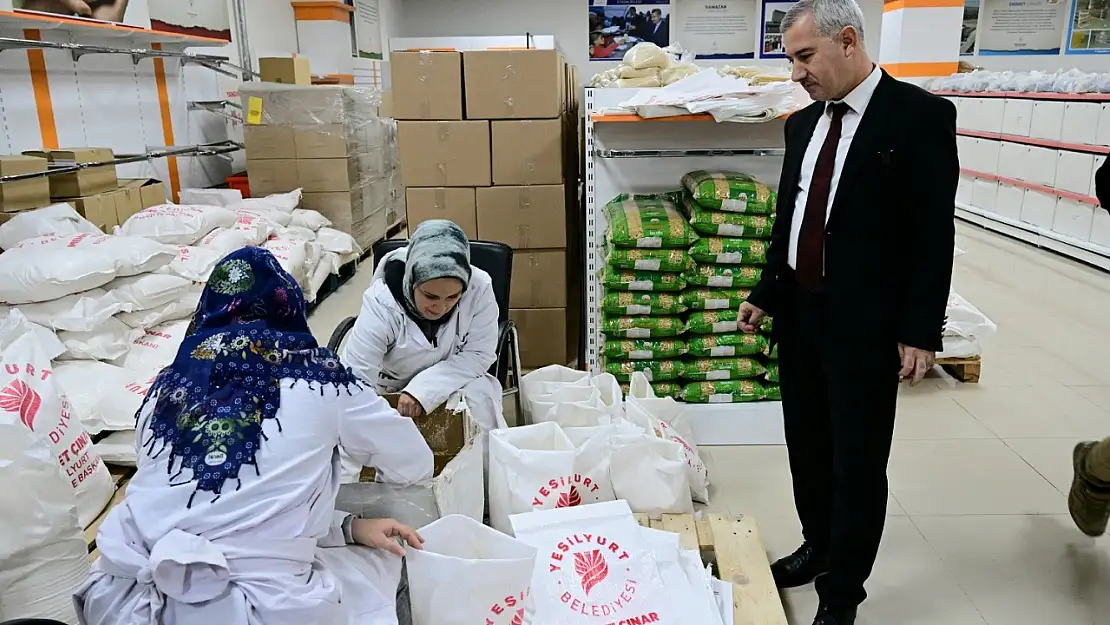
(657, 30)
(858, 275)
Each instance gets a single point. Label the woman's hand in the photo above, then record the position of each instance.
(383, 534)
(409, 407)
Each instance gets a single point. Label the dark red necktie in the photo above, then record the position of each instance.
(810, 268)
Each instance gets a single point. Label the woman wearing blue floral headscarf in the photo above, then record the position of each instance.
(230, 517)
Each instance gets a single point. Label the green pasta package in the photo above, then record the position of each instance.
(773, 371)
(771, 392)
(710, 369)
(730, 191)
(648, 260)
(654, 370)
(629, 303)
(715, 299)
(717, 223)
(647, 223)
(727, 345)
(723, 276)
(662, 389)
(766, 325)
(723, 392)
(632, 280)
(713, 322)
(642, 327)
(729, 251)
(644, 349)
(773, 353)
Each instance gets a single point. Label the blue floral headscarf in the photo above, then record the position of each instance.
(249, 332)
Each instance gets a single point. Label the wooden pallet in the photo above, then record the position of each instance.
(347, 271)
(733, 546)
(963, 369)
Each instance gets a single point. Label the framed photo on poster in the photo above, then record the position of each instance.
(199, 18)
(615, 26)
(770, 29)
(1089, 27)
(128, 12)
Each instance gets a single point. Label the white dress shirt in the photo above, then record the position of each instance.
(857, 102)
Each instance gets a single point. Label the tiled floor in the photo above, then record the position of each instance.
(978, 531)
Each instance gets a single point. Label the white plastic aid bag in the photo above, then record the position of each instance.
(546, 380)
(535, 467)
(611, 396)
(593, 567)
(310, 219)
(704, 604)
(460, 488)
(131, 255)
(666, 418)
(181, 308)
(156, 348)
(193, 263)
(285, 202)
(56, 219)
(29, 395)
(40, 274)
(639, 387)
(148, 290)
(105, 397)
(335, 241)
(457, 548)
(580, 436)
(78, 312)
(178, 224)
(650, 474)
(108, 341)
(571, 406)
(43, 555)
(696, 605)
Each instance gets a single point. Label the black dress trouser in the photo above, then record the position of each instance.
(839, 390)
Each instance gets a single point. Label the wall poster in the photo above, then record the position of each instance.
(115, 11)
(1021, 26)
(971, 25)
(717, 29)
(200, 18)
(771, 29)
(617, 25)
(368, 29)
(1089, 27)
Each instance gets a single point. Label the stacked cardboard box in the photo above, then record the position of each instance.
(487, 139)
(95, 192)
(330, 142)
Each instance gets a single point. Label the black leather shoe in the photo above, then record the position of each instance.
(800, 568)
(834, 616)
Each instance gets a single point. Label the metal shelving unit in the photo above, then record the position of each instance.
(207, 149)
(623, 156)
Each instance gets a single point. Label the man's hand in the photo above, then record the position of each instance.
(915, 363)
(383, 534)
(409, 407)
(749, 318)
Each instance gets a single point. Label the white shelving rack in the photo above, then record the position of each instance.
(626, 154)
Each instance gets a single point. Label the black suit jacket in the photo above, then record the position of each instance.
(891, 232)
(661, 37)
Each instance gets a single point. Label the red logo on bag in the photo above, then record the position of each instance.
(18, 397)
(518, 618)
(601, 584)
(499, 611)
(567, 491)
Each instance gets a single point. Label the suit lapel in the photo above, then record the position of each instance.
(865, 142)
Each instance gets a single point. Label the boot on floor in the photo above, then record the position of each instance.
(1089, 498)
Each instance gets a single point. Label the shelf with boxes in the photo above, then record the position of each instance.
(1028, 168)
(652, 158)
(329, 141)
(489, 140)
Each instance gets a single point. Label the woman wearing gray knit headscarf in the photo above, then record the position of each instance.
(428, 327)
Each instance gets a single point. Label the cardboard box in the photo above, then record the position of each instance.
(152, 192)
(513, 84)
(129, 200)
(100, 209)
(452, 204)
(444, 154)
(326, 175)
(543, 336)
(527, 151)
(269, 142)
(285, 70)
(426, 85)
(523, 217)
(24, 194)
(272, 104)
(272, 176)
(324, 141)
(539, 279)
(81, 183)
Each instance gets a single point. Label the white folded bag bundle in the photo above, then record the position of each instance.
(178, 224)
(457, 549)
(56, 219)
(535, 467)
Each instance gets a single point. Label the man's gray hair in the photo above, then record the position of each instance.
(830, 16)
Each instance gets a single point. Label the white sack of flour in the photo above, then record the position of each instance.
(456, 549)
(79, 312)
(593, 567)
(178, 224)
(193, 263)
(108, 341)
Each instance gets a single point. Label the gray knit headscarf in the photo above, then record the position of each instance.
(437, 249)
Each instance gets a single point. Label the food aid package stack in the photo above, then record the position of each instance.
(734, 213)
(30, 396)
(536, 467)
(458, 549)
(666, 418)
(645, 257)
(595, 566)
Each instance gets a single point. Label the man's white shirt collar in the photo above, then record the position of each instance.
(860, 97)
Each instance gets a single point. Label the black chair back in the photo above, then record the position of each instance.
(492, 257)
(33, 621)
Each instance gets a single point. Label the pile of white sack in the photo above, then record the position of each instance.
(118, 305)
(966, 329)
(588, 446)
(648, 65)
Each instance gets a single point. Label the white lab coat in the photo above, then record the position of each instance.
(268, 551)
(387, 348)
